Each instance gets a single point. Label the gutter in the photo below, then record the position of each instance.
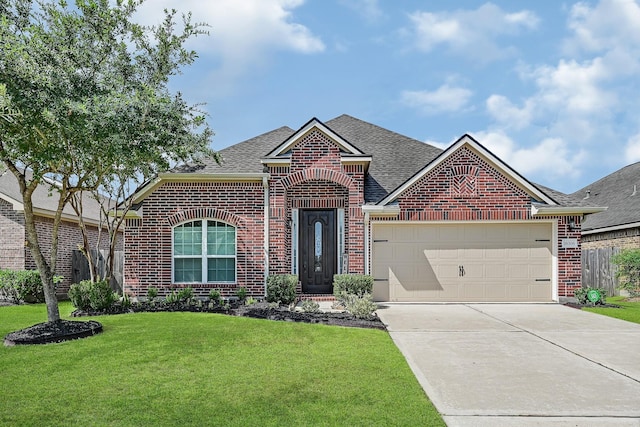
(564, 210)
(265, 185)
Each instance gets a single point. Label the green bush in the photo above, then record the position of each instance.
(152, 293)
(361, 306)
(310, 306)
(88, 295)
(581, 296)
(23, 286)
(281, 288)
(241, 293)
(185, 294)
(354, 284)
(214, 295)
(628, 262)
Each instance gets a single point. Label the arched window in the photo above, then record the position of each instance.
(204, 251)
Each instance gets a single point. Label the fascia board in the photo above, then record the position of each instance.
(15, 204)
(564, 210)
(379, 210)
(612, 228)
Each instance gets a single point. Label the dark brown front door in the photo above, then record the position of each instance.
(318, 258)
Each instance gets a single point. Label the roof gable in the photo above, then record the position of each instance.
(314, 124)
(466, 141)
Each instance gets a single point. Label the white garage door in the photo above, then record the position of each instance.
(462, 262)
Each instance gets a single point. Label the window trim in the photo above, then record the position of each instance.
(204, 256)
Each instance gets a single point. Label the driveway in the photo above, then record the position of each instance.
(521, 364)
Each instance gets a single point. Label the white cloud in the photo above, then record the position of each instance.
(369, 9)
(444, 99)
(607, 25)
(242, 33)
(470, 33)
(509, 115)
(632, 149)
(551, 157)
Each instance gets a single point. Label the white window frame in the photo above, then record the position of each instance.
(340, 242)
(294, 241)
(204, 255)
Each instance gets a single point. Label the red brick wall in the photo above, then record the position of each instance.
(148, 257)
(316, 179)
(12, 247)
(69, 238)
(484, 194)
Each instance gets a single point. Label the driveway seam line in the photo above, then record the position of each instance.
(552, 343)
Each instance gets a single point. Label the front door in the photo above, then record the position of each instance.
(318, 258)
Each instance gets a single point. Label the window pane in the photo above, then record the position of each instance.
(221, 239)
(221, 270)
(187, 239)
(188, 270)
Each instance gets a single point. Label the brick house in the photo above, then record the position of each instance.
(14, 254)
(349, 196)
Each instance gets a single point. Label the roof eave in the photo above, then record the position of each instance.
(162, 178)
(537, 210)
(612, 228)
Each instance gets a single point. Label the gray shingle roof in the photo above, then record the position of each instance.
(395, 157)
(616, 191)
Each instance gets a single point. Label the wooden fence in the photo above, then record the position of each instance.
(598, 271)
(80, 267)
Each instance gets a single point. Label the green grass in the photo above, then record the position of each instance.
(199, 369)
(629, 311)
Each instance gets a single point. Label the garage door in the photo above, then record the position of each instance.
(462, 262)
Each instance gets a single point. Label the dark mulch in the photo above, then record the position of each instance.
(50, 332)
(580, 306)
(259, 310)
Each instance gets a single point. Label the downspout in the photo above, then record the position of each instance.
(265, 185)
(366, 243)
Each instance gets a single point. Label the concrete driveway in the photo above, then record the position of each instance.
(521, 364)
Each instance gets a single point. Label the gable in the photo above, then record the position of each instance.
(467, 170)
(465, 186)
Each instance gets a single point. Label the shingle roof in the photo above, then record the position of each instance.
(395, 157)
(42, 200)
(616, 191)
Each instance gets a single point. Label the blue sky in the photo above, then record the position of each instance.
(550, 87)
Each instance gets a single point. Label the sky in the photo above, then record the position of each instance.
(550, 87)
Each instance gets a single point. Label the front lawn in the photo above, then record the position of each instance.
(629, 311)
(207, 369)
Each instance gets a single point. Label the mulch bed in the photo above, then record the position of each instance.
(51, 332)
(64, 330)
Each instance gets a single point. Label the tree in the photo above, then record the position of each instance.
(85, 96)
(628, 262)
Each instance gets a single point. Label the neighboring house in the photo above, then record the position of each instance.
(618, 227)
(14, 253)
(349, 196)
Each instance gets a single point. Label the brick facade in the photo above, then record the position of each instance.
(314, 173)
(15, 255)
(148, 240)
(623, 239)
(484, 195)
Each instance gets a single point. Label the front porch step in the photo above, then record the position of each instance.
(316, 297)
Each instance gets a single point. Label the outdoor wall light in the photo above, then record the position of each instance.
(572, 224)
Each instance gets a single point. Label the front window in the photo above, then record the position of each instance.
(204, 251)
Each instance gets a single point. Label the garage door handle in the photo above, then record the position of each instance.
(461, 271)
(543, 280)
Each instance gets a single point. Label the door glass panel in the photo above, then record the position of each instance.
(318, 246)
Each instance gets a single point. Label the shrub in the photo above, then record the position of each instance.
(581, 295)
(281, 288)
(185, 294)
(152, 293)
(88, 295)
(172, 298)
(23, 286)
(354, 284)
(242, 293)
(310, 306)
(628, 262)
(361, 306)
(214, 295)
